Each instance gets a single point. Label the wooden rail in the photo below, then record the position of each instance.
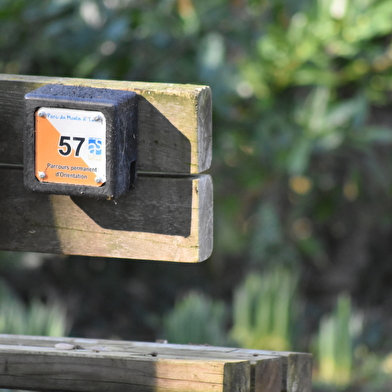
(168, 216)
(175, 127)
(70, 364)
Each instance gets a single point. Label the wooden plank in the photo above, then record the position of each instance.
(295, 370)
(174, 121)
(271, 371)
(163, 218)
(83, 370)
(268, 374)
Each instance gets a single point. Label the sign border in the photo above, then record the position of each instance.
(120, 110)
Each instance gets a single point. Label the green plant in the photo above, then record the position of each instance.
(196, 319)
(334, 348)
(35, 319)
(264, 310)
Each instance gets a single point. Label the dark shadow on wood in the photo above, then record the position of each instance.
(161, 206)
(26, 222)
(165, 208)
(166, 148)
(12, 119)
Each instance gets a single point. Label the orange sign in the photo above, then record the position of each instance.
(70, 146)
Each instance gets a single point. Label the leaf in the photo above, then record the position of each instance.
(376, 134)
(298, 159)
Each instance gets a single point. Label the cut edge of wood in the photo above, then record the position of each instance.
(267, 375)
(205, 200)
(236, 376)
(204, 128)
(299, 372)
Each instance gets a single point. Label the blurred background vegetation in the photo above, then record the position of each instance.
(302, 172)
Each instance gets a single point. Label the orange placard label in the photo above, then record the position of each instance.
(70, 146)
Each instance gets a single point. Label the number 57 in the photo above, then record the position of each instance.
(66, 148)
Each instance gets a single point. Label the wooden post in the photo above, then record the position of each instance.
(168, 216)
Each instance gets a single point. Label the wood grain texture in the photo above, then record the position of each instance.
(163, 218)
(270, 371)
(78, 370)
(298, 366)
(268, 375)
(174, 121)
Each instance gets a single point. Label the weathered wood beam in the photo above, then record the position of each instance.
(52, 370)
(293, 373)
(164, 367)
(162, 218)
(174, 121)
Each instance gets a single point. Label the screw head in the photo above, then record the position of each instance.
(41, 113)
(41, 175)
(98, 180)
(97, 118)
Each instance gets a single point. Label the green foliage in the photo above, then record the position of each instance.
(328, 43)
(306, 91)
(35, 319)
(264, 311)
(196, 319)
(335, 345)
(302, 135)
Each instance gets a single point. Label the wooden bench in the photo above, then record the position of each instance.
(30, 362)
(167, 217)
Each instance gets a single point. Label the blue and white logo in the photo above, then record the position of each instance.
(95, 146)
